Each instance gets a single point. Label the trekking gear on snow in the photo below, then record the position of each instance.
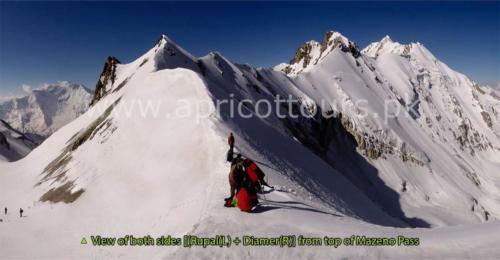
(246, 199)
(245, 180)
(255, 173)
(230, 202)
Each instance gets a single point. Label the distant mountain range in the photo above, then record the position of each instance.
(38, 114)
(45, 109)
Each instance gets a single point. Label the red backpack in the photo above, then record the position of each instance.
(246, 199)
(252, 171)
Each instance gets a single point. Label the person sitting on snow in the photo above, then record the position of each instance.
(243, 191)
(243, 183)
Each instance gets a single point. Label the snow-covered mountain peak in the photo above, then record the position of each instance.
(169, 55)
(162, 40)
(387, 46)
(165, 54)
(386, 38)
(332, 36)
(313, 52)
(45, 109)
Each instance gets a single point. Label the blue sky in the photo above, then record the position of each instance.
(50, 41)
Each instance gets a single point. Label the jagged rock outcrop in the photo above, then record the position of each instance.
(487, 118)
(106, 80)
(303, 53)
(312, 52)
(352, 48)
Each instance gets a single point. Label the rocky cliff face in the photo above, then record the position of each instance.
(106, 80)
(313, 52)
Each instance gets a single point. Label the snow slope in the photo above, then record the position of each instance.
(46, 108)
(133, 164)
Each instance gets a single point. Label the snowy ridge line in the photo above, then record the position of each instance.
(402, 133)
(147, 175)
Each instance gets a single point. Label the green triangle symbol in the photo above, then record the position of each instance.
(84, 241)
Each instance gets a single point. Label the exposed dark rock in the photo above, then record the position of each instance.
(474, 204)
(303, 53)
(143, 62)
(478, 89)
(287, 69)
(122, 84)
(326, 41)
(472, 176)
(62, 194)
(368, 145)
(158, 43)
(107, 77)
(3, 141)
(352, 48)
(406, 51)
(201, 67)
(487, 118)
(258, 76)
(469, 138)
